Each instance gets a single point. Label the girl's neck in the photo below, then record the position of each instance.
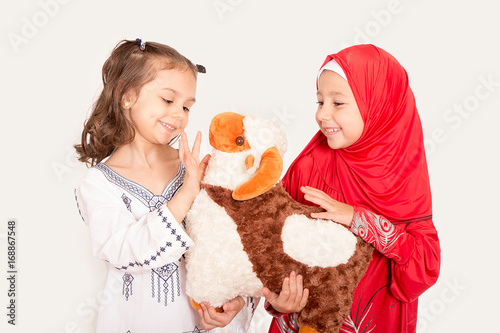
(139, 155)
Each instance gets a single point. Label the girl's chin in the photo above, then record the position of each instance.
(335, 144)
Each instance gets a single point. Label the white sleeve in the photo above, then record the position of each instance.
(241, 323)
(154, 240)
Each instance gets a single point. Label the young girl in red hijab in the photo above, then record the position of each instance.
(367, 168)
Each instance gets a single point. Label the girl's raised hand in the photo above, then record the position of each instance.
(180, 204)
(292, 298)
(211, 319)
(336, 211)
(195, 170)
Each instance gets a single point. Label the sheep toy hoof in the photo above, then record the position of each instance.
(197, 306)
(305, 329)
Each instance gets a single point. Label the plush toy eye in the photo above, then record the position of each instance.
(240, 141)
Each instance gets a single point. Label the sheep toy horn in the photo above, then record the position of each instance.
(233, 133)
(271, 166)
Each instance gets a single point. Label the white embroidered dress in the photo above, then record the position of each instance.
(133, 231)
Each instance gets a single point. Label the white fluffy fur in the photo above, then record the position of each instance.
(263, 133)
(218, 268)
(318, 242)
(228, 169)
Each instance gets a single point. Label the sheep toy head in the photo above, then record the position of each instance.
(247, 155)
(249, 233)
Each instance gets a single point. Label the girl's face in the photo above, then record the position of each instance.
(161, 110)
(338, 115)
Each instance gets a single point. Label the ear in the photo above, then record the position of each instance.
(128, 100)
(271, 166)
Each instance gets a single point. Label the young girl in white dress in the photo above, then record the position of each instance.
(138, 190)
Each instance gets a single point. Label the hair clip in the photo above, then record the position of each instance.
(141, 44)
(201, 68)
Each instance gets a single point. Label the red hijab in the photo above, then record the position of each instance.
(385, 171)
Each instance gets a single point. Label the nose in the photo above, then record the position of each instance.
(178, 112)
(324, 113)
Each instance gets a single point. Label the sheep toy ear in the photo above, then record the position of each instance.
(225, 129)
(269, 172)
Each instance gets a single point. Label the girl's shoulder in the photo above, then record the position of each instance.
(95, 173)
(98, 177)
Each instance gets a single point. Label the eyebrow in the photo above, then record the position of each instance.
(334, 93)
(177, 93)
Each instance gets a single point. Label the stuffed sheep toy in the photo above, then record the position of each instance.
(249, 233)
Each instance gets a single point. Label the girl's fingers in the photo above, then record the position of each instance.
(234, 304)
(293, 287)
(183, 147)
(184, 140)
(203, 166)
(320, 198)
(208, 315)
(305, 296)
(312, 191)
(196, 145)
(269, 295)
(212, 314)
(323, 216)
(327, 205)
(285, 289)
(300, 286)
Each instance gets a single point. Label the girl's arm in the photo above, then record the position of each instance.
(413, 248)
(155, 239)
(117, 237)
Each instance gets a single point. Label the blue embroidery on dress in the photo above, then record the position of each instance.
(251, 302)
(153, 202)
(173, 231)
(144, 195)
(127, 285)
(167, 282)
(196, 330)
(78, 206)
(126, 201)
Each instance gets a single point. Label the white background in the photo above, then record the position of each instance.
(261, 58)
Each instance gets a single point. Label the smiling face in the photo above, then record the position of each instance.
(161, 109)
(338, 115)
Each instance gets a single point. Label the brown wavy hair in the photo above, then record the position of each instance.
(127, 69)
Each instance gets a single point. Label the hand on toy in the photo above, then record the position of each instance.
(292, 298)
(336, 211)
(211, 319)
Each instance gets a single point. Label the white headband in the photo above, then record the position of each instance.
(333, 66)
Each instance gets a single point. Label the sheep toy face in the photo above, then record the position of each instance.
(249, 233)
(247, 154)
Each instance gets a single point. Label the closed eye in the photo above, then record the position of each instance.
(185, 108)
(168, 101)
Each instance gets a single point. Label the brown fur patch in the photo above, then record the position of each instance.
(259, 223)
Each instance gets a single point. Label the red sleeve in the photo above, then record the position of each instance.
(282, 322)
(413, 249)
(269, 308)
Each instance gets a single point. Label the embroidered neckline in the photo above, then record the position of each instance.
(144, 195)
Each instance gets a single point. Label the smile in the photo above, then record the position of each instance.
(168, 126)
(332, 130)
